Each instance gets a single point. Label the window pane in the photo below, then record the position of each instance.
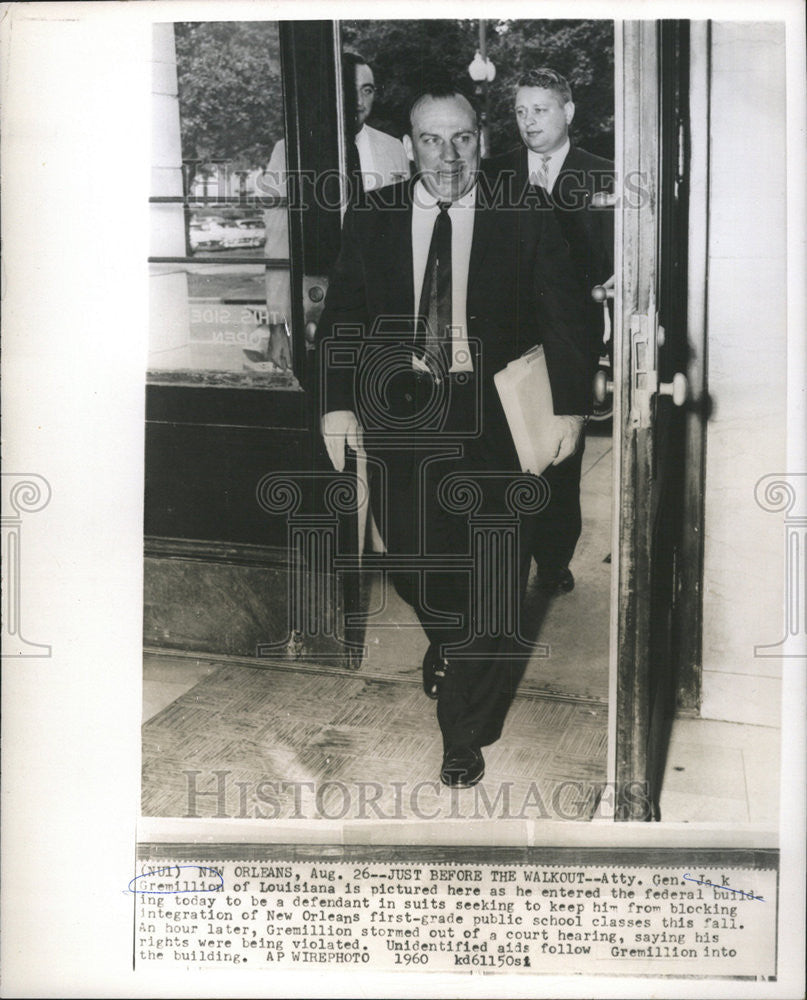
(214, 232)
(209, 307)
(212, 317)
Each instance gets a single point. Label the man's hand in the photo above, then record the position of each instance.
(338, 428)
(279, 349)
(569, 431)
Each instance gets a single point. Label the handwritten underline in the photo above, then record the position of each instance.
(741, 892)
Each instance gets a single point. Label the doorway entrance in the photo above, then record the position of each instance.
(595, 699)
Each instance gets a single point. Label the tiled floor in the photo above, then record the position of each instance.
(287, 727)
(574, 628)
(715, 772)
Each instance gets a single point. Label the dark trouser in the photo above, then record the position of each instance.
(554, 531)
(422, 523)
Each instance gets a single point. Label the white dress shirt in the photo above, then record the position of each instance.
(381, 158)
(424, 216)
(553, 167)
(366, 158)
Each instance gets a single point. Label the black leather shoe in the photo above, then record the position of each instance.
(462, 767)
(559, 581)
(434, 671)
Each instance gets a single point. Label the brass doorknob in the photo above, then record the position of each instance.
(602, 386)
(678, 389)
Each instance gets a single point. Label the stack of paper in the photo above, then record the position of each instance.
(526, 396)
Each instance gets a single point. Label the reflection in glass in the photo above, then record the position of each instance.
(220, 324)
(210, 310)
(276, 221)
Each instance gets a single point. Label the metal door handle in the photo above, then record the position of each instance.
(678, 389)
(314, 287)
(602, 386)
(602, 292)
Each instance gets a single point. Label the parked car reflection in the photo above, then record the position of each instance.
(216, 233)
(207, 234)
(244, 233)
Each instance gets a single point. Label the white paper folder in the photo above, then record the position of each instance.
(526, 396)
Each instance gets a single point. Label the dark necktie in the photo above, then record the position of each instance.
(355, 178)
(435, 296)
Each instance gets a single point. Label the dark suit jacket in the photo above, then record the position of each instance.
(521, 291)
(588, 231)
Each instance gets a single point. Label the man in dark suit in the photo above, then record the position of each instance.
(434, 291)
(549, 170)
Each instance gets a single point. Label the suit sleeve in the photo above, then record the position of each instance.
(562, 323)
(604, 182)
(342, 324)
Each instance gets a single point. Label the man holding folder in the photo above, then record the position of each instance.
(435, 290)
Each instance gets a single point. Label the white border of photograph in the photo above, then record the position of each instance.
(76, 131)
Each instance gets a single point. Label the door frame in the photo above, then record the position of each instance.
(690, 597)
(638, 130)
(636, 150)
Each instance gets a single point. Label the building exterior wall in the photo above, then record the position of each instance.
(168, 285)
(743, 603)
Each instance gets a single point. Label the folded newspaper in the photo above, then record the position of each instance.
(526, 396)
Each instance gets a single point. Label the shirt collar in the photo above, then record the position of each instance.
(423, 198)
(556, 157)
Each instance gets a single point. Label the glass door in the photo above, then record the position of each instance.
(246, 213)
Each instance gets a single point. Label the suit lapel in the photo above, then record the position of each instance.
(572, 162)
(391, 265)
(403, 243)
(483, 222)
(523, 169)
(487, 204)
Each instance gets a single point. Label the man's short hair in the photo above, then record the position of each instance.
(547, 79)
(350, 60)
(439, 90)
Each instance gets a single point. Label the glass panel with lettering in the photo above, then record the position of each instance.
(220, 271)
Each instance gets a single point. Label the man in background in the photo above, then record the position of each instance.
(550, 173)
(381, 157)
(374, 160)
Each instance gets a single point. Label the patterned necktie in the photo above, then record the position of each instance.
(435, 296)
(540, 177)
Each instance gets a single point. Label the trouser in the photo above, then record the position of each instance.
(433, 489)
(554, 531)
